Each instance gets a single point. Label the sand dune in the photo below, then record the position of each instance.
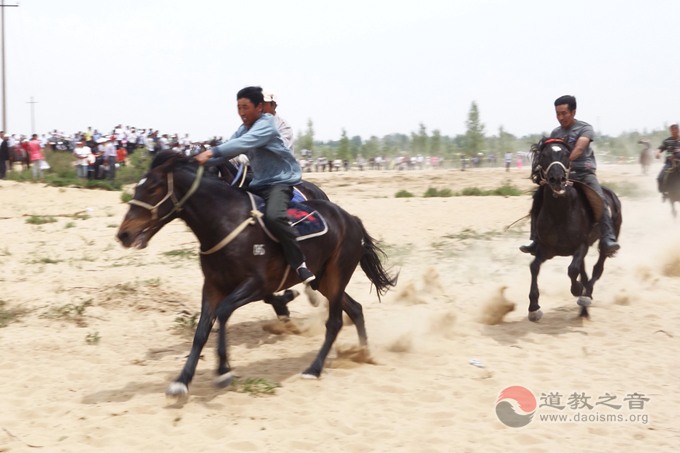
(106, 329)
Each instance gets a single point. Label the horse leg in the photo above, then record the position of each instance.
(280, 303)
(180, 385)
(333, 287)
(535, 312)
(209, 311)
(224, 312)
(356, 314)
(588, 296)
(575, 269)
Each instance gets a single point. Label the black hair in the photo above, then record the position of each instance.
(566, 99)
(254, 94)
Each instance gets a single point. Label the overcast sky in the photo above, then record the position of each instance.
(371, 67)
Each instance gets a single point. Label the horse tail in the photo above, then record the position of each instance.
(615, 209)
(372, 266)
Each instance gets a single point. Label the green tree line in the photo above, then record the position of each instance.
(475, 141)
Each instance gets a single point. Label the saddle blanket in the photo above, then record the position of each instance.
(306, 222)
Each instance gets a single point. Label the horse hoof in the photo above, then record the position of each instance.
(584, 301)
(535, 315)
(284, 319)
(177, 389)
(224, 380)
(310, 373)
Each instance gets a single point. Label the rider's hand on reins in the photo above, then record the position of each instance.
(203, 157)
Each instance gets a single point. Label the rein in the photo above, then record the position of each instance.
(171, 194)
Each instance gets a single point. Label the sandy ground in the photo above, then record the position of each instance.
(61, 392)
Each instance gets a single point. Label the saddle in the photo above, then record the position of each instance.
(307, 223)
(596, 203)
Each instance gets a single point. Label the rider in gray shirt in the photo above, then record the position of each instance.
(578, 135)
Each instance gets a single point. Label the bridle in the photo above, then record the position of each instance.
(177, 204)
(543, 173)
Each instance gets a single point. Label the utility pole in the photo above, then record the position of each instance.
(4, 97)
(32, 102)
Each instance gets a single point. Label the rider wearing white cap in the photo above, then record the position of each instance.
(282, 125)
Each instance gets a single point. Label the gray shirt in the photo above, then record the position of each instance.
(579, 129)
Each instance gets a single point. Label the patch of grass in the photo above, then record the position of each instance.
(5, 252)
(40, 219)
(394, 254)
(254, 387)
(88, 242)
(127, 288)
(152, 281)
(80, 216)
(92, 338)
(45, 261)
(403, 194)
(125, 197)
(506, 190)
(434, 192)
(112, 225)
(186, 323)
(181, 253)
(624, 189)
(70, 225)
(69, 312)
(10, 315)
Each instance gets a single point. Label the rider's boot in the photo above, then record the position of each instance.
(306, 276)
(531, 248)
(608, 244)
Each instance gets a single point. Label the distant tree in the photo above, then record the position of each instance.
(344, 150)
(420, 141)
(506, 141)
(306, 140)
(475, 132)
(371, 148)
(436, 143)
(355, 146)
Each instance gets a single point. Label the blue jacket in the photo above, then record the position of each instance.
(271, 161)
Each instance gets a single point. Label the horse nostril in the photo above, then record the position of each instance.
(123, 236)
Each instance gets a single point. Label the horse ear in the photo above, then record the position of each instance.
(168, 164)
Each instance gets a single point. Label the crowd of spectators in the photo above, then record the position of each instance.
(96, 155)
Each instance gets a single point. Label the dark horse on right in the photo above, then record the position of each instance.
(566, 224)
(671, 183)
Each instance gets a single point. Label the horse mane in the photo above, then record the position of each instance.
(182, 162)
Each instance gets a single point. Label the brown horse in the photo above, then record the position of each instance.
(251, 266)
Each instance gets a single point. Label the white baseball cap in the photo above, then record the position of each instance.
(269, 96)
